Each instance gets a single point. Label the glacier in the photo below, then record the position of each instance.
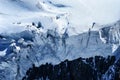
(33, 46)
(42, 32)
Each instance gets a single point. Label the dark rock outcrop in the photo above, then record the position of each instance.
(92, 68)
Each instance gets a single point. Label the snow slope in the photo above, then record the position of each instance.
(25, 12)
(81, 14)
(33, 46)
(64, 32)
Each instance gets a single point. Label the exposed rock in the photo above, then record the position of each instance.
(92, 68)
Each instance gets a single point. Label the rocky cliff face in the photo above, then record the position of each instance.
(113, 73)
(93, 68)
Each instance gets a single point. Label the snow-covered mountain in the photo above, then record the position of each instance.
(81, 14)
(32, 46)
(36, 32)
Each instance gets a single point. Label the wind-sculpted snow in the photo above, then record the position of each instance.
(80, 14)
(33, 46)
(38, 45)
(51, 31)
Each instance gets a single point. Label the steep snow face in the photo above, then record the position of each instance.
(33, 46)
(111, 34)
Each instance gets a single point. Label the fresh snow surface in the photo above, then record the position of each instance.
(80, 14)
(58, 19)
(65, 33)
